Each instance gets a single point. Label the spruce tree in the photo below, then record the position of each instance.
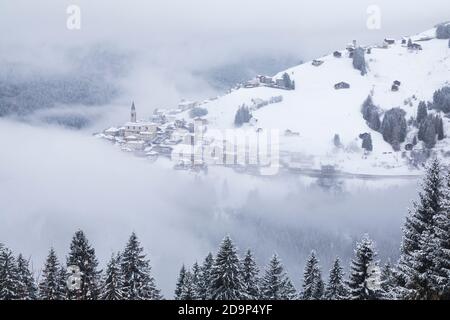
(312, 279)
(364, 282)
(188, 287)
(288, 292)
(50, 286)
(275, 284)
(336, 288)
(370, 114)
(442, 244)
(136, 270)
(287, 81)
(359, 61)
(62, 283)
(250, 276)
(388, 281)
(367, 143)
(8, 275)
(421, 220)
(180, 283)
(82, 256)
(226, 280)
(337, 141)
(26, 286)
(112, 287)
(204, 282)
(422, 113)
(424, 279)
(440, 128)
(196, 272)
(242, 116)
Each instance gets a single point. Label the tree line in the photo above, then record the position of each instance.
(421, 273)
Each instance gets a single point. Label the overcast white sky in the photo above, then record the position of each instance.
(179, 21)
(172, 39)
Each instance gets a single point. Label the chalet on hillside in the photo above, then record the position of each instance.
(265, 79)
(414, 46)
(254, 83)
(341, 85)
(389, 41)
(317, 63)
(280, 83)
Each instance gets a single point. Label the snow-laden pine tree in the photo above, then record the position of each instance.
(204, 281)
(422, 113)
(50, 285)
(275, 284)
(359, 60)
(242, 116)
(364, 282)
(289, 292)
(136, 270)
(62, 281)
(388, 281)
(112, 287)
(196, 272)
(424, 280)
(8, 275)
(82, 256)
(336, 288)
(250, 276)
(313, 287)
(413, 276)
(26, 286)
(226, 278)
(188, 287)
(180, 283)
(442, 234)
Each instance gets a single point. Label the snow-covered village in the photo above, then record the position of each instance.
(221, 159)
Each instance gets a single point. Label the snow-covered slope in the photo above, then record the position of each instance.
(317, 111)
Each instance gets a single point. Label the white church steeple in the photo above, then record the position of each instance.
(133, 113)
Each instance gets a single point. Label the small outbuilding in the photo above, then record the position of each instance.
(341, 85)
(317, 63)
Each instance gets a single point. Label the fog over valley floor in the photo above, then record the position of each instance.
(60, 181)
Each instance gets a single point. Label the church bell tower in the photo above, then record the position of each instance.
(133, 113)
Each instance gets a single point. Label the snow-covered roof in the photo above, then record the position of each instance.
(136, 142)
(140, 124)
(112, 130)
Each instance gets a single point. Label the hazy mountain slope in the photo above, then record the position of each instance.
(317, 111)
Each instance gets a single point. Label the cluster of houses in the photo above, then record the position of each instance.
(159, 135)
(408, 43)
(266, 81)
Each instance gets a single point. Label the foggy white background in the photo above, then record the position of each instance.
(54, 181)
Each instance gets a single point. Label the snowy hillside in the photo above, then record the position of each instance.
(315, 111)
